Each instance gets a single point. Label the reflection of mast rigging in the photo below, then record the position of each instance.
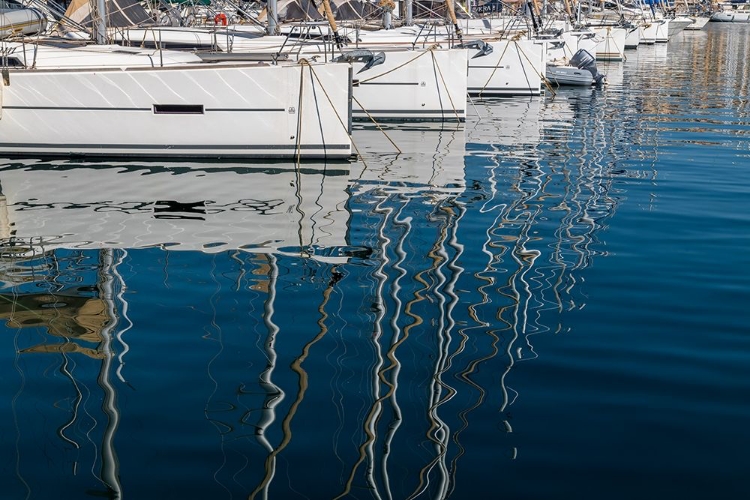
(75, 315)
(274, 393)
(445, 286)
(436, 280)
(110, 466)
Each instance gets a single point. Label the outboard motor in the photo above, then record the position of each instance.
(584, 60)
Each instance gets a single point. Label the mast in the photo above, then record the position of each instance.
(100, 22)
(273, 17)
(409, 14)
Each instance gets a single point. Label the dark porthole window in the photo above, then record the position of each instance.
(178, 109)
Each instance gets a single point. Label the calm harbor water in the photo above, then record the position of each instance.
(548, 302)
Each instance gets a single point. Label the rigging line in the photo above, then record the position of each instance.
(219, 339)
(426, 51)
(436, 66)
(377, 125)
(274, 394)
(375, 408)
(14, 401)
(124, 313)
(544, 79)
(474, 105)
(297, 207)
(497, 66)
(395, 364)
(110, 464)
(298, 138)
(76, 404)
(439, 432)
(303, 384)
(336, 112)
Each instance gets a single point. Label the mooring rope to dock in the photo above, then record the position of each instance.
(372, 118)
(445, 86)
(544, 79)
(305, 62)
(432, 47)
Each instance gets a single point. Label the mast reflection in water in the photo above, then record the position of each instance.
(239, 331)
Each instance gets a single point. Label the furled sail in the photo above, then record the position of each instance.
(18, 20)
(355, 10)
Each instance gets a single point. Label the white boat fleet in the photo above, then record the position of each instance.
(244, 85)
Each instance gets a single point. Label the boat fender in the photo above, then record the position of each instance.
(220, 18)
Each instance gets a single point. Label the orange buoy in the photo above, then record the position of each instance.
(220, 17)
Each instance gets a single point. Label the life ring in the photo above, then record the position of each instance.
(220, 17)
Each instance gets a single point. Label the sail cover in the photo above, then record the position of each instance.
(120, 13)
(355, 10)
(294, 10)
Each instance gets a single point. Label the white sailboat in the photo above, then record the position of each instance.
(391, 83)
(612, 45)
(67, 100)
(497, 66)
(180, 111)
(732, 13)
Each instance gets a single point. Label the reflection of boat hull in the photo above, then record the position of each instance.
(677, 25)
(128, 205)
(21, 22)
(432, 158)
(202, 111)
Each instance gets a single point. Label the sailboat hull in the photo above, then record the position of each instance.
(208, 111)
(412, 85)
(513, 68)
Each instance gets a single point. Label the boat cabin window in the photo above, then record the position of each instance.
(178, 109)
(11, 62)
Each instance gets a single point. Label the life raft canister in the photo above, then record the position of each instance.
(220, 17)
